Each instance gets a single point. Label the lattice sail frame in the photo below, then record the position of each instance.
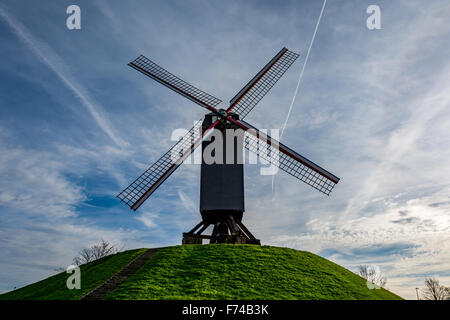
(156, 72)
(246, 99)
(288, 160)
(141, 188)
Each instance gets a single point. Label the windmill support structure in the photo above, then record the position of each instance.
(226, 229)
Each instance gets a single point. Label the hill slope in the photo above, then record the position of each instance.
(220, 272)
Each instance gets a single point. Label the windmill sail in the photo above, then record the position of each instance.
(140, 189)
(154, 71)
(287, 159)
(246, 99)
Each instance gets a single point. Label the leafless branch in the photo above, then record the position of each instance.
(103, 249)
(373, 275)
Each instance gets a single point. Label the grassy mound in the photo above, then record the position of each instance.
(243, 272)
(216, 272)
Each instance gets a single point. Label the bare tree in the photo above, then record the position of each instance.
(434, 291)
(103, 249)
(83, 257)
(373, 275)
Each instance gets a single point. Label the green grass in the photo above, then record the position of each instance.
(243, 272)
(218, 271)
(92, 275)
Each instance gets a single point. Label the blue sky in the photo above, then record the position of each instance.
(77, 125)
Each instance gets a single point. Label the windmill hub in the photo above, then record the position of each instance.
(222, 184)
(223, 114)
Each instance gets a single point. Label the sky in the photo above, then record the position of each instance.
(77, 125)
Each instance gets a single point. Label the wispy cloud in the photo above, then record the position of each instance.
(148, 219)
(187, 203)
(32, 183)
(55, 63)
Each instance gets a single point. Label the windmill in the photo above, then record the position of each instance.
(222, 184)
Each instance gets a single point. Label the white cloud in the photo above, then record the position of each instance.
(148, 219)
(32, 183)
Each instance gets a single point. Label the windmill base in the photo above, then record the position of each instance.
(198, 239)
(226, 229)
